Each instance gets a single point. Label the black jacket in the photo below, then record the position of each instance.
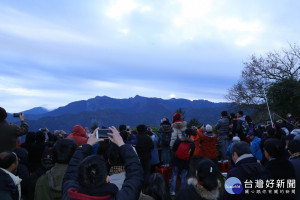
(144, 146)
(247, 169)
(134, 174)
(9, 133)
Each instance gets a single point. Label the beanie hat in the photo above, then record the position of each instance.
(236, 139)
(3, 114)
(177, 117)
(208, 128)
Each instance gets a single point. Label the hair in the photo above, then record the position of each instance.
(124, 134)
(157, 187)
(270, 131)
(224, 113)
(141, 128)
(241, 112)
(248, 119)
(3, 114)
(40, 137)
(102, 149)
(240, 148)
(122, 127)
(274, 147)
(7, 158)
(63, 150)
(294, 146)
(208, 173)
(114, 156)
(30, 138)
(92, 172)
(232, 115)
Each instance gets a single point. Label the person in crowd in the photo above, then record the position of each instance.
(233, 123)
(156, 188)
(234, 140)
(165, 133)
(294, 150)
(197, 155)
(279, 167)
(86, 176)
(246, 169)
(29, 140)
(242, 126)
(10, 132)
(79, 135)
(127, 136)
(117, 166)
(270, 133)
(10, 187)
(179, 126)
(279, 133)
(35, 151)
(49, 185)
(58, 135)
(222, 128)
(154, 154)
(205, 186)
(183, 149)
(144, 148)
(207, 144)
(255, 145)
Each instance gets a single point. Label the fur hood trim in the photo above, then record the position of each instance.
(179, 125)
(204, 193)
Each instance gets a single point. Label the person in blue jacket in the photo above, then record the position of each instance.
(255, 145)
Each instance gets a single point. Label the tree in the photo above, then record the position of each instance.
(194, 122)
(284, 97)
(261, 72)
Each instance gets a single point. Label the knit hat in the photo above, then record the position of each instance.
(236, 139)
(208, 128)
(3, 114)
(177, 117)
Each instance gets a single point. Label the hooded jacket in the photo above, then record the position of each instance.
(222, 126)
(178, 130)
(10, 187)
(49, 185)
(255, 148)
(207, 144)
(131, 187)
(79, 135)
(195, 191)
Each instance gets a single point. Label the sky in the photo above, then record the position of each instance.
(59, 51)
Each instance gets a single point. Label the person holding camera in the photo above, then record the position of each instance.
(10, 132)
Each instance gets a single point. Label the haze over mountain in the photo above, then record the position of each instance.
(108, 111)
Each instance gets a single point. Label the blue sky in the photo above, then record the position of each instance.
(55, 52)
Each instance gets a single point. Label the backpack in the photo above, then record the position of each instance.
(166, 138)
(245, 127)
(183, 151)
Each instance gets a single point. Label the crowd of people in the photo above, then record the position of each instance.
(176, 162)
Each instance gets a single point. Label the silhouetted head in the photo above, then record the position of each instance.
(207, 174)
(157, 187)
(8, 160)
(3, 114)
(63, 150)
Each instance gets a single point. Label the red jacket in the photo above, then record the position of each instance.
(208, 147)
(197, 142)
(79, 135)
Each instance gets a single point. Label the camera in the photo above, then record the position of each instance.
(102, 133)
(17, 114)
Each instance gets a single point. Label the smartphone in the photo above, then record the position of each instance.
(102, 133)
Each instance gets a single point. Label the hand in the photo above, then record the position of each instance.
(92, 139)
(115, 137)
(22, 116)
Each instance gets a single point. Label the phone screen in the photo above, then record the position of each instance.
(102, 133)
